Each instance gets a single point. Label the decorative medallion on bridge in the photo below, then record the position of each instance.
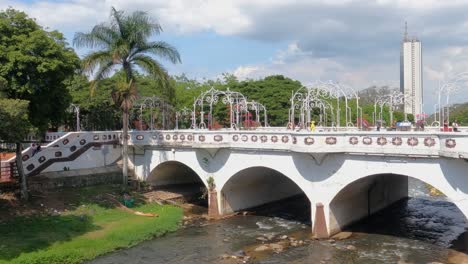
(41, 159)
(294, 140)
(190, 137)
(104, 137)
(25, 157)
(274, 139)
(367, 140)
(218, 138)
(30, 167)
(58, 154)
(244, 138)
(284, 139)
(161, 137)
(263, 139)
(235, 138)
(396, 141)
(309, 140)
(429, 142)
(154, 137)
(254, 138)
(382, 141)
(168, 137)
(330, 140)
(201, 138)
(140, 137)
(72, 148)
(353, 140)
(175, 137)
(412, 141)
(96, 137)
(65, 141)
(182, 137)
(82, 142)
(450, 143)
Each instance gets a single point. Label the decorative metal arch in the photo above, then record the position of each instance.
(183, 113)
(237, 106)
(157, 108)
(304, 100)
(448, 88)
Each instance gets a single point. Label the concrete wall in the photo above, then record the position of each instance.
(76, 178)
(365, 197)
(255, 186)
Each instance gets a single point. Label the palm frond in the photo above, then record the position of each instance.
(92, 60)
(101, 36)
(158, 48)
(150, 66)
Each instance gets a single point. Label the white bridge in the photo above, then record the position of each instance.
(346, 176)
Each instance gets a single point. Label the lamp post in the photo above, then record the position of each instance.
(76, 109)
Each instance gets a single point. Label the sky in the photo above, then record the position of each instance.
(356, 42)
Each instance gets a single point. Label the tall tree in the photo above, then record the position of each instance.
(14, 127)
(34, 63)
(124, 43)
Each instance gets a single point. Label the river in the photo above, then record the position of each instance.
(422, 229)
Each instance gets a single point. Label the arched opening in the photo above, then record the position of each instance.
(265, 191)
(399, 206)
(176, 181)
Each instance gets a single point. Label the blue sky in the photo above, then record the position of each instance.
(351, 41)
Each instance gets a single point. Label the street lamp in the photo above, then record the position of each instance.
(76, 109)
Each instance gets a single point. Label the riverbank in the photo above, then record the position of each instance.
(74, 225)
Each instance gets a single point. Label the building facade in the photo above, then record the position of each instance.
(411, 82)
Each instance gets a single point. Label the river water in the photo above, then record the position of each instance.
(422, 229)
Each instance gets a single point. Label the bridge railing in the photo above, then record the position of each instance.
(64, 148)
(453, 145)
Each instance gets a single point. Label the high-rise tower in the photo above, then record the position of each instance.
(411, 83)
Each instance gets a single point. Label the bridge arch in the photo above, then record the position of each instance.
(258, 185)
(174, 173)
(361, 197)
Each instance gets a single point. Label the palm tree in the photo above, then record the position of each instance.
(123, 43)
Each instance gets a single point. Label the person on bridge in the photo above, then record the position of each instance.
(455, 125)
(312, 126)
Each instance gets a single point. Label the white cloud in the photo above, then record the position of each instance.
(355, 41)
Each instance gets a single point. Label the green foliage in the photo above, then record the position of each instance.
(91, 229)
(14, 124)
(211, 182)
(459, 112)
(34, 63)
(274, 92)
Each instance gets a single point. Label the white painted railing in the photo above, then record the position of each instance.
(64, 147)
(432, 144)
(454, 145)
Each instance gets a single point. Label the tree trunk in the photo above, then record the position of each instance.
(125, 146)
(19, 166)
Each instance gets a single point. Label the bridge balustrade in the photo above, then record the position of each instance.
(65, 148)
(453, 145)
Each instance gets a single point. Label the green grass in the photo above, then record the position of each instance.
(88, 230)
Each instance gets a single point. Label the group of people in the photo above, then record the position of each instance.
(454, 126)
(35, 148)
